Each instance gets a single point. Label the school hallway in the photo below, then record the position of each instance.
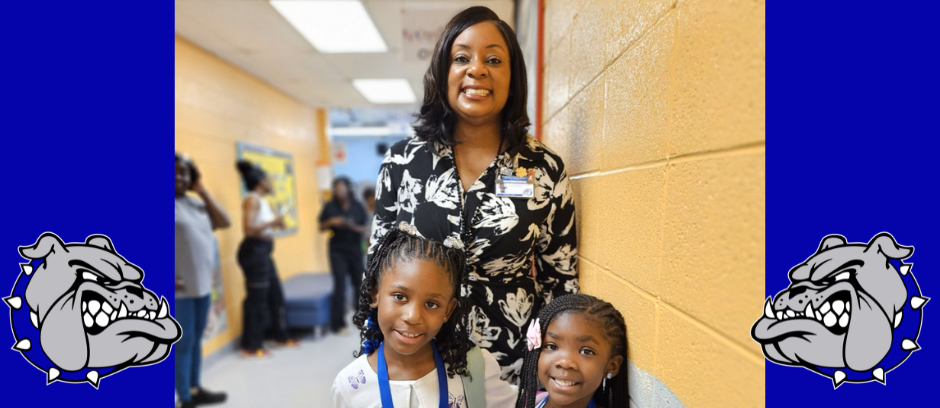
(290, 378)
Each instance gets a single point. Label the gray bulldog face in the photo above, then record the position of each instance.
(840, 308)
(91, 309)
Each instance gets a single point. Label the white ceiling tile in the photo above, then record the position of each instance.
(251, 35)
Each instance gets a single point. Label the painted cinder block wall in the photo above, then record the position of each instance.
(218, 105)
(657, 107)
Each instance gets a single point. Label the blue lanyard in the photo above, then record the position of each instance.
(386, 393)
(545, 401)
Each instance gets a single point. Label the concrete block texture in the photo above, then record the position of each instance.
(657, 108)
(719, 88)
(713, 242)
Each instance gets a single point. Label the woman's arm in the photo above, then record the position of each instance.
(217, 215)
(556, 255)
(386, 200)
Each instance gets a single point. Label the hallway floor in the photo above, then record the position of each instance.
(290, 378)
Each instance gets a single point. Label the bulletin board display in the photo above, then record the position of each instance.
(280, 168)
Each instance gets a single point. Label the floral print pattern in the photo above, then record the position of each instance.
(418, 184)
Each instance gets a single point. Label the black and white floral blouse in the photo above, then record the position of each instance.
(418, 184)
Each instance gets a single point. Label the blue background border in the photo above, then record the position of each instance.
(852, 150)
(88, 94)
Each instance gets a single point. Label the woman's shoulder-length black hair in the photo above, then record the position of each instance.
(436, 119)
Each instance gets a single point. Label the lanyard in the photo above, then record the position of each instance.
(386, 392)
(545, 401)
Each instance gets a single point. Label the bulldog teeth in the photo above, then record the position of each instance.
(844, 320)
(779, 315)
(107, 308)
(33, 318)
(152, 315)
(824, 308)
(818, 316)
(84, 306)
(102, 319)
(809, 311)
(848, 307)
(164, 309)
(838, 306)
(897, 320)
(829, 319)
(113, 315)
(89, 321)
(94, 306)
(790, 313)
(123, 312)
(142, 314)
(768, 310)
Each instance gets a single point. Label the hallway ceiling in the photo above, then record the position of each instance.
(251, 35)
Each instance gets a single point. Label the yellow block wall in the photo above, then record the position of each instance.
(218, 105)
(657, 107)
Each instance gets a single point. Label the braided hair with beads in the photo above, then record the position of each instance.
(400, 245)
(612, 325)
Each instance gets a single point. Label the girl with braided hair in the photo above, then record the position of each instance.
(577, 347)
(413, 321)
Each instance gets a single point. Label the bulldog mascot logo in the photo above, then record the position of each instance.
(79, 311)
(852, 312)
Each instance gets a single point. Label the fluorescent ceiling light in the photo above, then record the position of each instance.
(333, 26)
(385, 90)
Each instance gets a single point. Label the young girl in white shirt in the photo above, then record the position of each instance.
(413, 322)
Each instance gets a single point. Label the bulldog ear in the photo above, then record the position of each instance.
(48, 243)
(100, 241)
(830, 241)
(885, 243)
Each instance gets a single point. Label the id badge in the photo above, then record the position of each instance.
(514, 187)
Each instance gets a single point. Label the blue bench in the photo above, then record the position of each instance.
(307, 300)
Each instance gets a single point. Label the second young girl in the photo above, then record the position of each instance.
(577, 348)
(413, 321)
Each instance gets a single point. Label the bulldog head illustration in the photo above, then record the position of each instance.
(842, 312)
(89, 315)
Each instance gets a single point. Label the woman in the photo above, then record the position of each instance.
(196, 218)
(264, 300)
(455, 180)
(346, 218)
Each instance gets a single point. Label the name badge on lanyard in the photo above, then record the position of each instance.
(520, 186)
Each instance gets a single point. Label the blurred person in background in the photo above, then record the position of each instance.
(346, 218)
(264, 296)
(196, 218)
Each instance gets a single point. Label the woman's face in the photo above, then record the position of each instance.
(265, 185)
(183, 179)
(341, 192)
(479, 76)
